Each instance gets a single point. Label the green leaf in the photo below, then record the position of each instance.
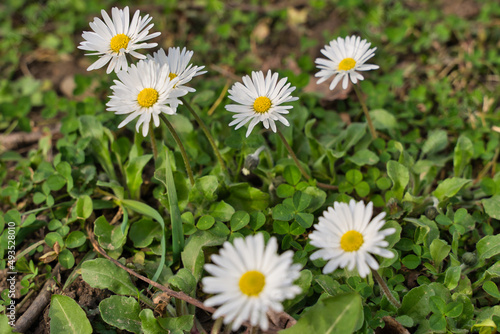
(205, 222)
(462, 154)
(66, 316)
(492, 289)
(221, 211)
(145, 209)
(56, 182)
(285, 190)
(103, 274)
(183, 281)
(488, 246)
(84, 207)
(66, 259)
(452, 277)
(353, 176)
(244, 197)
(38, 198)
(177, 325)
(437, 304)
(143, 231)
(193, 257)
(364, 157)
(301, 200)
(400, 177)
(121, 312)
(292, 175)
(492, 206)
(304, 219)
(239, 220)
(75, 239)
(411, 261)
(149, 324)
(133, 172)
(340, 315)
(4, 324)
(382, 119)
(415, 303)
(450, 187)
(205, 189)
(439, 251)
(53, 237)
(437, 141)
(437, 322)
(283, 212)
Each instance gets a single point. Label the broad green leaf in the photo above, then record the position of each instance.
(304, 219)
(239, 220)
(221, 211)
(193, 256)
(84, 207)
(462, 155)
(53, 237)
(332, 315)
(450, 187)
(149, 324)
(4, 324)
(177, 325)
(133, 172)
(143, 231)
(183, 281)
(452, 277)
(66, 316)
(66, 259)
(292, 175)
(492, 289)
(103, 274)
(364, 157)
(75, 239)
(439, 251)
(415, 303)
(382, 119)
(400, 177)
(492, 206)
(204, 189)
(244, 197)
(145, 209)
(318, 198)
(122, 312)
(437, 141)
(283, 212)
(488, 246)
(56, 182)
(453, 309)
(205, 222)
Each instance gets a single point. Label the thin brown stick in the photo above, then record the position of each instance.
(365, 110)
(43, 298)
(394, 324)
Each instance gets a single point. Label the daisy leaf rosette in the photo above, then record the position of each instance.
(260, 100)
(346, 58)
(346, 236)
(117, 36)
(144, 91)
(248, 279)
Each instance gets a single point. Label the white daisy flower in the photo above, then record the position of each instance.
(260, 100)
(248, 279)
(346, 237)
(114, 38)
(144, 91)
(345, 59)
(178, 61)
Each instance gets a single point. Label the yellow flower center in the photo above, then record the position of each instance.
(172, 76)
(347, 64)
(252, 283)
(351, 241)
(147, 97)
(119, 42)
(262, 104)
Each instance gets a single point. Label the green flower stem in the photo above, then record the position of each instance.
(181, 147)
(385, 289)
(206, 131)
(297, 162)
(217, 326)
(153, 143)
(365, 110)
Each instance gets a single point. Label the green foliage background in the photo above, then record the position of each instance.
(433, 169)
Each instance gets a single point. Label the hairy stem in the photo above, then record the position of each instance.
(365, 110)
(181, 147)
(385, 289)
